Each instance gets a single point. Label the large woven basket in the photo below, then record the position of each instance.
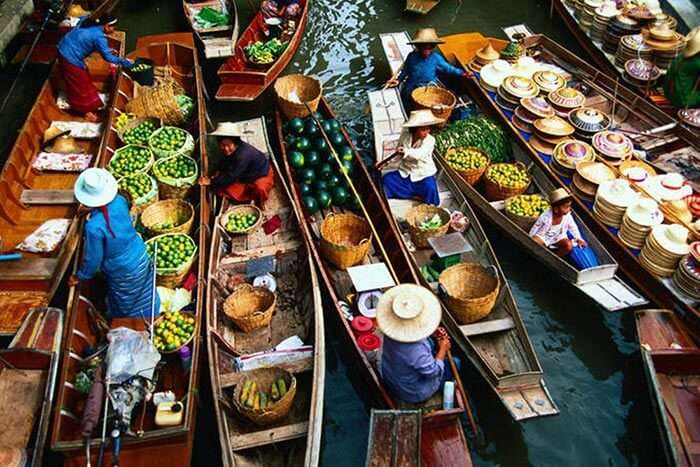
(524, 222)
(421, 213)
(345, 239)
(497, 192)
(306, 89)
(175, 188)
(139, 204)
(473, 176)
(186, 149)
(439, 100)
(159, 102)
(471, 291)
(264, 377)
(133, 124)
(170, 211)
(241, 209)
(250, 307)
(172, 278)
(119, 153)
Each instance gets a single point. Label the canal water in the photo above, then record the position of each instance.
(590, 357)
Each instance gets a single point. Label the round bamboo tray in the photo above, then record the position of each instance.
(264, 378)
(171, 211)
(345, 239)
(307, 89)
(250, 307)
(241, 209)
(471, 291)
(421, 213)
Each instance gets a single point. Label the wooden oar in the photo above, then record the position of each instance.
(463, 393)
(381, 164)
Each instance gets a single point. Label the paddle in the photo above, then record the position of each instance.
(463, 393)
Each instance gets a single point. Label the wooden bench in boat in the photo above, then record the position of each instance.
(394, 438)
(47, 197)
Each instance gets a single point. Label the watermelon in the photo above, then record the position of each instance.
(345, 153)
(307, 176)
(296, 126)
(320, 185)
(312, 158)
(317, 116)
(305, 189)
(327, 127)
(290, 140)
(320, 145)
(333, 180)
(296, 159)
(311, 128)
(311, 204)
(353, 204)
(347, 167)
(324, 199)
(325, 170)
(334, 125)
(302, 144)
(339, 195)
(337, 139)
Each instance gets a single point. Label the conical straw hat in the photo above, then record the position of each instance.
(408, 313)
(426, 36)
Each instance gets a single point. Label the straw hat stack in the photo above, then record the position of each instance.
(588, 177)
(690, 117)
(664, 248)
(568, 154)
(603, 14)
(493, 74)
(549, 132)
(667, 187)
(631, 47)
(483, 57)
(512, 89)
(614, 146)
(666, 44)
(587, 14)
(636, 171)
(612, 200)
(618, 27)
(638, 221)
(565, 100)
(588, 121)
(641, 73)
(529, 110)
(548, 81)
(687, 274)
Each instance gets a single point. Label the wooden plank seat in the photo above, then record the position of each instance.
(47, 197)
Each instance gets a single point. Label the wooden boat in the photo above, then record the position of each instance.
(394, 438)
(27, 380)
(421, 7)
(31, 197)
(218, 41)
(675, 149)
(146, 443)
(243, 82)
(672, 366)
(297, 437)
(443, 441)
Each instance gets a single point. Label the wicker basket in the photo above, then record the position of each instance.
(306, 88)
(133, 124)
(345, 239)
(189, 339)
(264, 378)
(172, 211)
(524, 222)
(186, 149)
(241, 209)
(421, 213)
(250, 307)
(496, 192)
(139, 204)
(472, 177)
(119, 153)
(172, 278)
(439, 100)
(471, 291)
(175, 188)
(159, 102)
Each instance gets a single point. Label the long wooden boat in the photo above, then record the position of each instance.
(240, 81)
(677, 149)
(394, 438)
(421, 7)
(31, 197)
(442, 441)
(296, 438)
(27, 381)
(672, 366)
(218, 41)
(86, 325)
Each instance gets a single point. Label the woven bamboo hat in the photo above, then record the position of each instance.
(227, 129)
(693, 45)
(424, 117)
(426, 36)
(668, 187)
(645, 212)
(52, 133)
(60, 141)
(408, 313)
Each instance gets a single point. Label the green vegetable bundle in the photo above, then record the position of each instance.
(207, 18)
(264, 53)
(479, 132)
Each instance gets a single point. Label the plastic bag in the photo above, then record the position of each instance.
(130, 353)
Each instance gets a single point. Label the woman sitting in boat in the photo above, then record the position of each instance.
(415, 177)
(245, 174)
(113, 247)
(423, 65)
(288, 9)
(556, 228)
(682, 85)
(88, 36)
(413, 364)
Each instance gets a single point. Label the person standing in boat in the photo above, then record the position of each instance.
(415, 177)
(245, 174)
(88, 36)
(423, 65)
(556, 228)
(287, 9)
(412, 366)
(682, 84)
(113, 247)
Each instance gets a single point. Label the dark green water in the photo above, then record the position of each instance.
(590, 357)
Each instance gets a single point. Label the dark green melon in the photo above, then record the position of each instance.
(305, 189)
(290, 140)
(312, 158)
(307, 176)
(339, 195)
(311, 129)
(345, 153)
(320, 145)
(334, 124)
(333, 180)
(296, 126)
(296, 159)
(325, 170)
(320, 185)
(311, 204)
(337, 139)
(324, 199)
(347, 167)
(302, 144)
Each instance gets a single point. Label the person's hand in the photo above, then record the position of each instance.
(204, 180)
(444, 344)
(73, 280)
(392, 83)
(400, 150)
(130, 63)
(468, 74)
(582, 243)
(82, 211)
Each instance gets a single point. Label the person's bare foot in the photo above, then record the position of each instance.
(91, 117)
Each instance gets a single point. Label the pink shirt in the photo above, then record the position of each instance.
(544, 229)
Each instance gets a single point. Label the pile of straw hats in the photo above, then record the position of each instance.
(618, 27)
(493, 74)
(549, 132)
(612, 200)
(631, 47)
(483, 57)
(513, 88)
(666, 44)
(614, 146)
(687, 274)
(568, 154)
(548, 81)
(641, 73)
(587, 178)
(588, 13)
(690, 117)
(529, 110)
(588, 121)
(667, 187)
(565, 100)
(664, 248)
(602, 16)
(636, 171)
(638, 221)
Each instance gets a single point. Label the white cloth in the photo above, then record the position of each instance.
(550, 233)
(417, 161)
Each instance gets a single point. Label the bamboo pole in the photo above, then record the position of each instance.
(463, 393)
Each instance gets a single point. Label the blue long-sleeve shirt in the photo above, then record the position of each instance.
(79, 43)
(111, 255)
(410, 371)
(419, 71)
(245, 165)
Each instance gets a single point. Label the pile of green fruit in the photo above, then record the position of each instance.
(253, 398)
(238, 222)
(264, 53)
(321, 181)
(433, 223)
(527, 205)
(130, 160)
(169, 139)
(137, 185)
(508, 176)
(466, 159)
(479, 132)
(185, 103)
(140, 133)
(172, 330)
(174, 250)
(177, 167)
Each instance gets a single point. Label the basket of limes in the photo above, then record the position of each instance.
(505, 180)
(171, 141)
(241, 219)
(470, 163)
(138, 130)
(524, 210)
(130, 160)
(173, 330)
(176, 176)
(168, 216)
(141, 189)
(175, 256)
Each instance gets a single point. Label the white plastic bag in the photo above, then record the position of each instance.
(130, 353)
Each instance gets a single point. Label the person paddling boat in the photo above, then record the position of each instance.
(682, 82)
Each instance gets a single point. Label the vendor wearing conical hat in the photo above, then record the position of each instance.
(415, 177)
(682, 84)
(556, 228)
(422, 66)
(412, 363)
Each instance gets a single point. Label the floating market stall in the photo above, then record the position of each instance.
(215, 22)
